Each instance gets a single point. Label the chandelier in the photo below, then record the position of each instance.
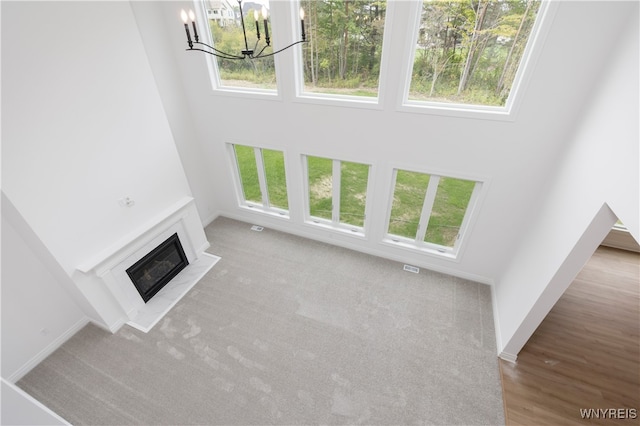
(246, 53)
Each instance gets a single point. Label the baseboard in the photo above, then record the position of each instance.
(496, 325)
(203, 248)
(336, 240)
(508, 357)
(48, 350)
(113, 328)
(621, 239)
(496, 321)
(207, 221)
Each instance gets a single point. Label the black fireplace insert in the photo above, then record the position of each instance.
(157, 268)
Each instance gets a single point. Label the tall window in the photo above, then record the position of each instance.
(337, 192)
(430, 211)
(468, 52)
(223, 18)
(262, 178)
(345, 46)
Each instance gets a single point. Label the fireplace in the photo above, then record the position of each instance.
(157, 268)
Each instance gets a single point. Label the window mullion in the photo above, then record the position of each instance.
(427, 206)
(307, 187)
(335, 192)
(394, 179)
(262, 177)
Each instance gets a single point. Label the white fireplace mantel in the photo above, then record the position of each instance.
(102, 278)
(126, 245)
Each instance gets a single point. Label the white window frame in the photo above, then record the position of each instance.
(373, 103)
(508, 112)
(418, 243)
(217, 86)
(334, 223)
(266, 206)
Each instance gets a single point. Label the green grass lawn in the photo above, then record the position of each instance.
(273, 162)
(353, 192)
(449, 207)
(276, 178)
(320, 171)
(448, 210)
(408, 198)
(248, 173)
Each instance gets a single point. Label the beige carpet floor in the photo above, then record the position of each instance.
(284, 330)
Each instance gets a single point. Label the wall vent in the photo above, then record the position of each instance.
(413, 269)
(257, 228)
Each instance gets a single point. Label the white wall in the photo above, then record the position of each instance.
(83, 127)
(19, 408)
(599, 179)
(514, 157)
(37, 312)
(178, 110)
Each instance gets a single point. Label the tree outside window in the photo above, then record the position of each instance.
(468, 52)
(345, 46)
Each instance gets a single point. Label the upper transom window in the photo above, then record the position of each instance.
(345, 48)
(223, 19)
(468, 52)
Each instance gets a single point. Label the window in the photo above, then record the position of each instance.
(430, 211)
(337, 192)
(468, 52)
(226, 33)
(345, 46)
(262, 178)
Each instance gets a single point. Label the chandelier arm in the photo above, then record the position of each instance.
(219, 53)
(260, 55)
(221, 56)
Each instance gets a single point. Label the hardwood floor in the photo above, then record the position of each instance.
(586, 352)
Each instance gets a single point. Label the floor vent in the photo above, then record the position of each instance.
(257, 228)
(413, 269)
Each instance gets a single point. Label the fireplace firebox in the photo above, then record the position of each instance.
(157, 268)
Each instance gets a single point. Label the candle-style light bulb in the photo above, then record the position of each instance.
(184, 17)
(302, 23)
(192, 16)
(266, 27)
(256, 16)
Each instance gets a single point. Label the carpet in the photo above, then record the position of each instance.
(286, 330)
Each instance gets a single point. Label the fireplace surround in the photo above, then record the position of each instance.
(106, 284)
